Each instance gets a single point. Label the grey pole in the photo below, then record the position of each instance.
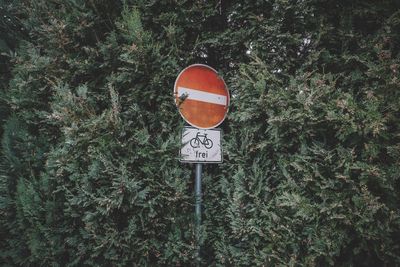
(197, 189)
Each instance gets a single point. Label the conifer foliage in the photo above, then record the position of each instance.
(89, 170)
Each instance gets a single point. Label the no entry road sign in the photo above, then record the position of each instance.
(201, 96)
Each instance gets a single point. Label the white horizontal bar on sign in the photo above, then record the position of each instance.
(198, 95)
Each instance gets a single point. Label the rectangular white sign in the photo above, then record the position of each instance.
(200, 145)
(202, 96)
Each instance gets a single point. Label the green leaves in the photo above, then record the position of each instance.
(89, 170)
(132, 27)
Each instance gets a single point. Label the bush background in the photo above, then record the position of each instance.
(89, 171)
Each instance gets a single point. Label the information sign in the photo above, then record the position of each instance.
(201, 145)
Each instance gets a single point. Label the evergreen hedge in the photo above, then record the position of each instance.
(89, 170)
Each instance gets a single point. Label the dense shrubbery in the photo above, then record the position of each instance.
(89, 171)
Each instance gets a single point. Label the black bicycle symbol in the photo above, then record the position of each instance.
(201, 139)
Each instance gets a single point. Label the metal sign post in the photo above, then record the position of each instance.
(197, 189)
(200, 146)
(202, 99)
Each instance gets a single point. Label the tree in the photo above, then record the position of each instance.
(89, 170)
(315, 182)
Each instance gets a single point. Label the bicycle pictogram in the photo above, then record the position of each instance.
(201, 139)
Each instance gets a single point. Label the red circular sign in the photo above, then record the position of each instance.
(201, 96)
